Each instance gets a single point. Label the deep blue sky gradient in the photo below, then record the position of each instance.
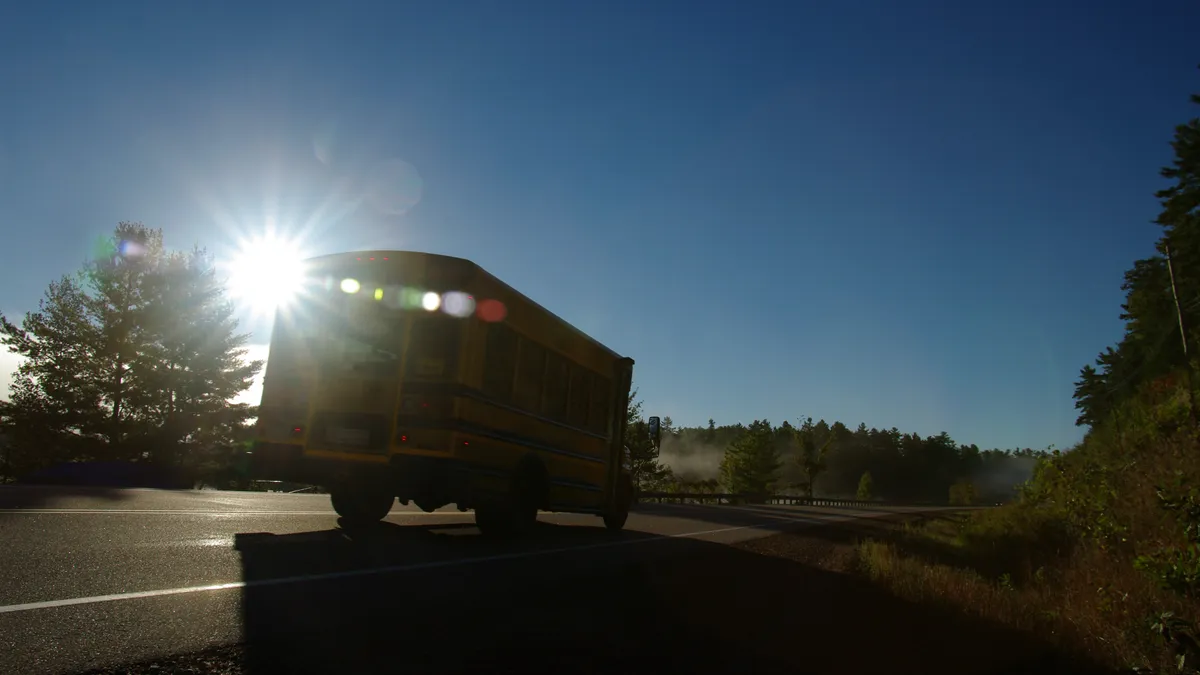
(910, 214)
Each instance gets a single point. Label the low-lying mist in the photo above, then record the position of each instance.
(691, 461)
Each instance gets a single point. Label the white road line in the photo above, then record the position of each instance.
(392, 569)
(198, 512)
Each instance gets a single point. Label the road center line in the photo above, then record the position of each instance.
(348, 574)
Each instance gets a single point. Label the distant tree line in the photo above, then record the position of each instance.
(822, 459)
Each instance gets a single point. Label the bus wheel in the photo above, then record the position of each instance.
(615, 518)
(529, 493)
(494, 519)
(515, 514)
(360, 504)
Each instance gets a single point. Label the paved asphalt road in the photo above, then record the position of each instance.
(97, 578)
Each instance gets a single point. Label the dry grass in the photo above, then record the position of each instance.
(1085, 601)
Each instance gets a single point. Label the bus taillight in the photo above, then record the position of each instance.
(431, 406)
(424, 439)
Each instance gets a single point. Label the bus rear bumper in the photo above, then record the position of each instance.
(431, 481)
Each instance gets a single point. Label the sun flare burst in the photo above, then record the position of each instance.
(266, 273)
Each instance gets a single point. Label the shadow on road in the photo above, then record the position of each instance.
(56, 496)
(626, 603)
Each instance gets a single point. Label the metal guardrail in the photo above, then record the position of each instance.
(791, 500)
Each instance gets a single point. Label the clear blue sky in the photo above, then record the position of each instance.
(912, 214)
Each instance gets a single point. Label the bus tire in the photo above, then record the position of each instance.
(360, 504)
(530, 493)
(615, 518)
(494, 520)
(515, 514)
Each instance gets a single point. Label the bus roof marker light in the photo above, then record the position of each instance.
(350, 286)
(431, 301)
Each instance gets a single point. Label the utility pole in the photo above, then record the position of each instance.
(1183, 336)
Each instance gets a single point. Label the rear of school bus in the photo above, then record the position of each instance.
(424, 378)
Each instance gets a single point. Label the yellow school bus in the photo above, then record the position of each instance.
(423, 378)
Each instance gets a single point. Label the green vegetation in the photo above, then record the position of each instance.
(752, 461)
(865, 487)
(826, 460)
(134, 358)
(1102, 550)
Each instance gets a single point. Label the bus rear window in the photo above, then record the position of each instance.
(433, 348)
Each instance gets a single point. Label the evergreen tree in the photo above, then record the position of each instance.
(196, 363)
(117, 283)
(813, 442)
(134, 358)
(1151, 346)
(751, 462)
(55, 407)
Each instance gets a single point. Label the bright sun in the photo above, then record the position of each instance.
(266, 273)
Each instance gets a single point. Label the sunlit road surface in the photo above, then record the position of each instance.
(94, 577)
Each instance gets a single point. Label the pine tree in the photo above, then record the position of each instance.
(751, 461)
(55, 407)
(813, 442)
(1151, 346)
(117, 284)
(196, 364)
(135, 358)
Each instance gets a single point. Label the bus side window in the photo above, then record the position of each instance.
(577, 397)
(531, 366)
(598, 412)
(500, 362)
(554, 402)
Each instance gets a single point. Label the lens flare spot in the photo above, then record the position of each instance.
(458, 304)
(131, 249)
(491, 311)
(394, 187)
